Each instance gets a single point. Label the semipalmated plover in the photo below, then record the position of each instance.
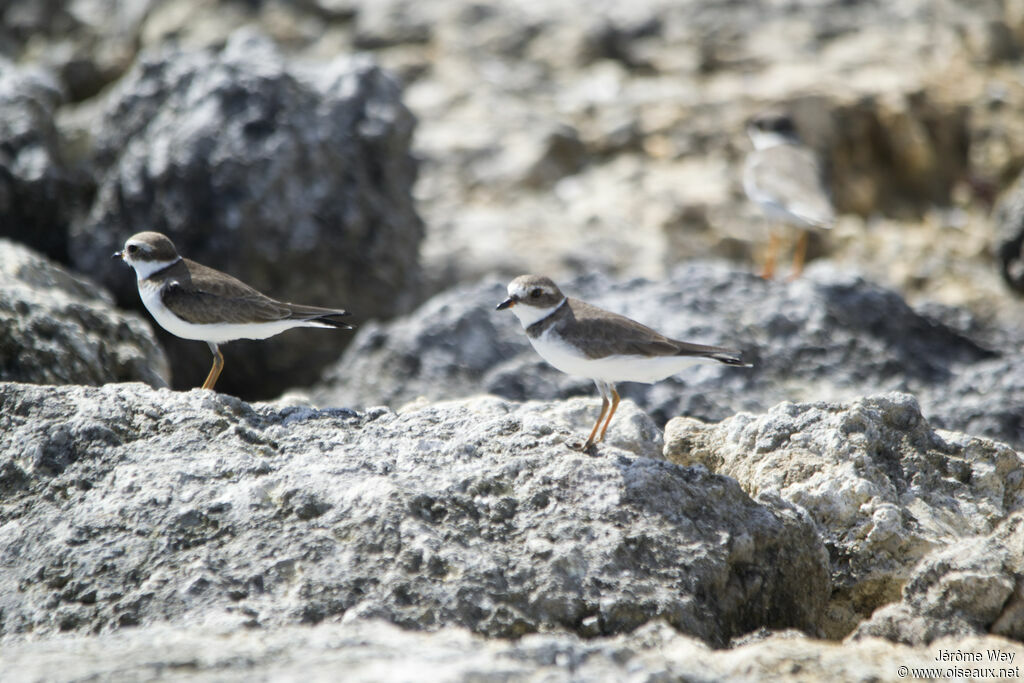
(192, 301)
(782, 176)
(587, 341)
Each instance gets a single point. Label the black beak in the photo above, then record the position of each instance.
(507, 303)
(118, 254)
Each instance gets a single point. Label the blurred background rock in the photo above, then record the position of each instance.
(371, 153)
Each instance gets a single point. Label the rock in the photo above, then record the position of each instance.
(371, 650)
(881, 485)
(1008, 217)
(87, 43)
(61, 328)
(441, 350)
(983, 398)
(391, 22)
(894, 155)
(966, 588)
(830, 335)
(128, 506)
(295, 181)
(533, 160)
(39, 192)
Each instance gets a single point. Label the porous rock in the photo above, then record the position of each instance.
(128, 506)
(296, 181)
(884, 488)
(974, 586)
(60, 328)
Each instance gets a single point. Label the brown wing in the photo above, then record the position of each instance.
(202, 295)
(609, 334)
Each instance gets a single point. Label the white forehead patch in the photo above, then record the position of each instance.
(523, 289)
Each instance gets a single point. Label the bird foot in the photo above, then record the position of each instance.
(588, 447)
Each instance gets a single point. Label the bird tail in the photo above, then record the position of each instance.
(719, 353)
(321, 317)
(332, 321)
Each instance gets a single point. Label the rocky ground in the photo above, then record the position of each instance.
(402, 502)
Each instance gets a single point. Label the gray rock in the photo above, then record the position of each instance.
(60, 328)
(87, 43)
(441, 350)
(983, 398)
(828, 335)
(967, 588)
(39, 192)
(379, 652)
(128, 506)
(392, 22)
(1008, 220)
(296, 181)
(881, 485)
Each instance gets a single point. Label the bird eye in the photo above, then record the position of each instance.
(536, 292)
(131, 248)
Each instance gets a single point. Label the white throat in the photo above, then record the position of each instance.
(144, 269)
(764, 139)
(529, 315)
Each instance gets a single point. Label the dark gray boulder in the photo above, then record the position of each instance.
(983, 398)
(128, 506)
(295, 180)
(60, 328)
(443, 349)
(1008, 241)
(39, 191)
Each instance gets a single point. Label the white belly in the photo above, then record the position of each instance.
(619, 368)
(218, 333)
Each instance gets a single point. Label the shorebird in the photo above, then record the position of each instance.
(192, 301)
(782, 176)
(586, 341)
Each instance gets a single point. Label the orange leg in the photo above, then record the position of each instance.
(799, 255)
(604, 407)
(615, 405)
(218, 365)
(768, 272)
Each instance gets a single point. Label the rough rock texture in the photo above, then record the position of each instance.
(39, 193)
(882, 486)
(128, 506)
(448, 347)
(296, 181)
(60, 328)
(378, 652)
(975, 586)
(86, 43)
(830, 335)
(986, 398)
